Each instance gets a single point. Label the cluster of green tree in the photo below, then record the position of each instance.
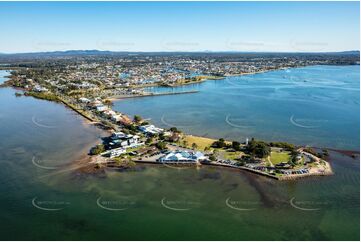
(212, 157)
(222, 144)
(161, 145)
(144, 123)
(293, 159)
(161, 136)
(137, 118)
(284, 145)
(175, 130)
(219, 143)
(43, 95)
(123, 162)
(132, 128)
(258, 149)
(96, 150)
(236, 145)
(149, 140)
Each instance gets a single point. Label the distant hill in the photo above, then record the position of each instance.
(65, 53)
(344, 57)
(101, 52)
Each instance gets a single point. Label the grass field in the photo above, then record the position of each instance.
(232, 155)
(278, 157)
(200, 141)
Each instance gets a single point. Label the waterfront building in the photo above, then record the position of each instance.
(101, 108)
(117, 135)
(84, 100)
(183, 156)
(116, 152)
(150, 129)
(120, 139)
(38, 88)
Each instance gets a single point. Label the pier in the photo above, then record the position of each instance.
(153, 94)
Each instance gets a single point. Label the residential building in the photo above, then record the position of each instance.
(150, 129)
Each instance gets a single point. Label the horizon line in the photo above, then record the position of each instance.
(175, 51)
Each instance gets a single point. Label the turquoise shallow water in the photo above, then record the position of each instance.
(315, 105)
(153, 202)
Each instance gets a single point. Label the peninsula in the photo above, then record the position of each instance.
(88, 84)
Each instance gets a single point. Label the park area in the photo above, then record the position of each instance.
(277, 157)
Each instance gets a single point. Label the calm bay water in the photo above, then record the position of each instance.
(315, 105)
(153, 202)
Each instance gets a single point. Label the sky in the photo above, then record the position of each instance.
(179, 26)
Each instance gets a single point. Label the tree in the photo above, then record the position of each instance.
(219, 143)
(132, 127)
(161, 145)
(149, 140)
(212, 157)
(284, 145)
(258, 148)
(97, 149)
(262, 150)
(161, 136)
(137, 118)
(108, 102)
(294, 155)
(236, 145)
(194, 146)
(174, 130)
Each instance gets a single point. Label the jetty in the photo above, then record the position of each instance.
(153, 94)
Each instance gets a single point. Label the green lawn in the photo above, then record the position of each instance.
(129, 150)
(232, 155)
(278, 157)
(200, 141)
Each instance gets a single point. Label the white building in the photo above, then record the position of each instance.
(125, 140)
(116, 117)
(183, 156)
(116, 152)
(150, 129)
(39, 88)
(84, 100)
(101, 108)
(117, 135)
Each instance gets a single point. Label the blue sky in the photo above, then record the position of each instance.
(179, 26)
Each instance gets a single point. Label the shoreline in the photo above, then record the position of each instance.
(235, 168)
(120, 97)
(85, 158)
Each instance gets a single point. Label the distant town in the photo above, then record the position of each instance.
(89, 81)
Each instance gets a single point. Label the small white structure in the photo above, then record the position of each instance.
(84, 100)
(116, 117)
(101, 108)
(116, 152)
(109, 113)
(38, 88)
